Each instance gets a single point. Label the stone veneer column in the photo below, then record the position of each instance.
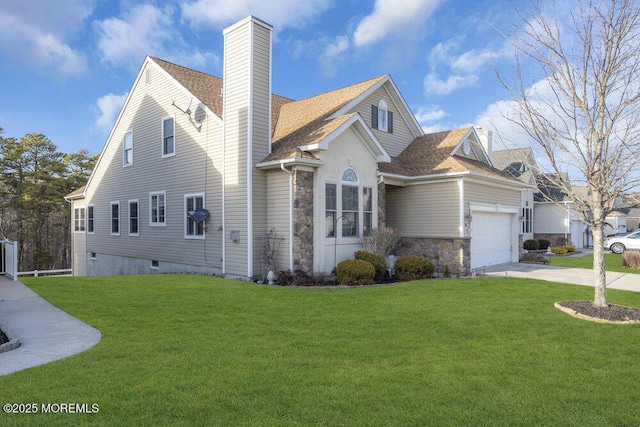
(382, 204)
(303, 219)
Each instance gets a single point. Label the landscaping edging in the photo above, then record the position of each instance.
(578, 315)
(9, 345)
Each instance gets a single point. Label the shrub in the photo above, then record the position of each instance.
(380, 241)
(559, 250)
(377, 261)
(631, 259)
(544, 243)
(355, 272)
(296, 278)
(570, 248)
(533, 258)
(447, 271)
(531, 245)
(413, 267)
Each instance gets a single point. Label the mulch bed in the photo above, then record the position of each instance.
(610, 314)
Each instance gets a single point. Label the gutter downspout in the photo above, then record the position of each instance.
(290, 214)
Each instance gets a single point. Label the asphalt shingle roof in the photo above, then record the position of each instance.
(431, 154)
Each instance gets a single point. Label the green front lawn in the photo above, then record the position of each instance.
(193, 350)
(612, 262)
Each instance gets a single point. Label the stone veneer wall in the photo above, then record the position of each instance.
(452, 252)
(556, 239)
(382, 204)
(303, 219)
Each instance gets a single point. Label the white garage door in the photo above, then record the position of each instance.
(490, 238)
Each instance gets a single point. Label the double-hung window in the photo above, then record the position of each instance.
(348, 207)
(157, 208)
(134, 218)
(127, 149)
(193, 229)
(78, 220)
(168, 137)
(381, 117)
(527, 220)
(331, 206)
(115, 218)
(90, 219)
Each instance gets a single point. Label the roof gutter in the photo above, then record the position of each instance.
(278, 164)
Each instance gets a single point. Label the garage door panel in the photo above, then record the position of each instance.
(491, 234)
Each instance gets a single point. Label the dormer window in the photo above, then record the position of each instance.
(381, 117)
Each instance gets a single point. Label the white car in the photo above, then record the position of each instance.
(619, 244)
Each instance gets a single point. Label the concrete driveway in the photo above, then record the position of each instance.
(576, 276)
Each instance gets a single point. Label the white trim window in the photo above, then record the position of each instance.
(79, 220)
(91, 219)
(127, 149)
(527, 220)
(168, 137)
(331, 209)
(192, 228)
(157, 208)
(114, 217)
(381, 117)
(134, 217)
(383, 111)
(353, 210)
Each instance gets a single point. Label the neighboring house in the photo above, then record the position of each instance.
(555, 218)
(197, 170)
(521, 164)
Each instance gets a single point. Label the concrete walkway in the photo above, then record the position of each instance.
(46, 333)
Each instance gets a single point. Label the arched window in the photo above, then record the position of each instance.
(349, 204)
(349, 175)
(383, 116)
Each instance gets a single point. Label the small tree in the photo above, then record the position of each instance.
(583, 108)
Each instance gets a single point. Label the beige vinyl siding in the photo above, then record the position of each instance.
(278, 200)
(424, 210)
(196, 157)
(78, 242)
(247, 98)
(236, 115)
(394, 142)
(549, 218)
(475, 192)
(261, 102)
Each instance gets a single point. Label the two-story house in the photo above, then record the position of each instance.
(197, 169)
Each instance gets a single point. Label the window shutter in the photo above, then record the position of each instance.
(374, 117)
(390, 122)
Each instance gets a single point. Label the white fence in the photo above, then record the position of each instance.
(9, 256)
(37, 273)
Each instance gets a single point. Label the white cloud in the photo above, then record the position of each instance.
(332, 55)
(36, 33)
(473, 60)
(463, 70)
(279, 13)
(430, 114)
(146, 30)
(391, 19)
(437, 86)
(109, 107)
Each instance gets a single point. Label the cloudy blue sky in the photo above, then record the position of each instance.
(67, 65)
